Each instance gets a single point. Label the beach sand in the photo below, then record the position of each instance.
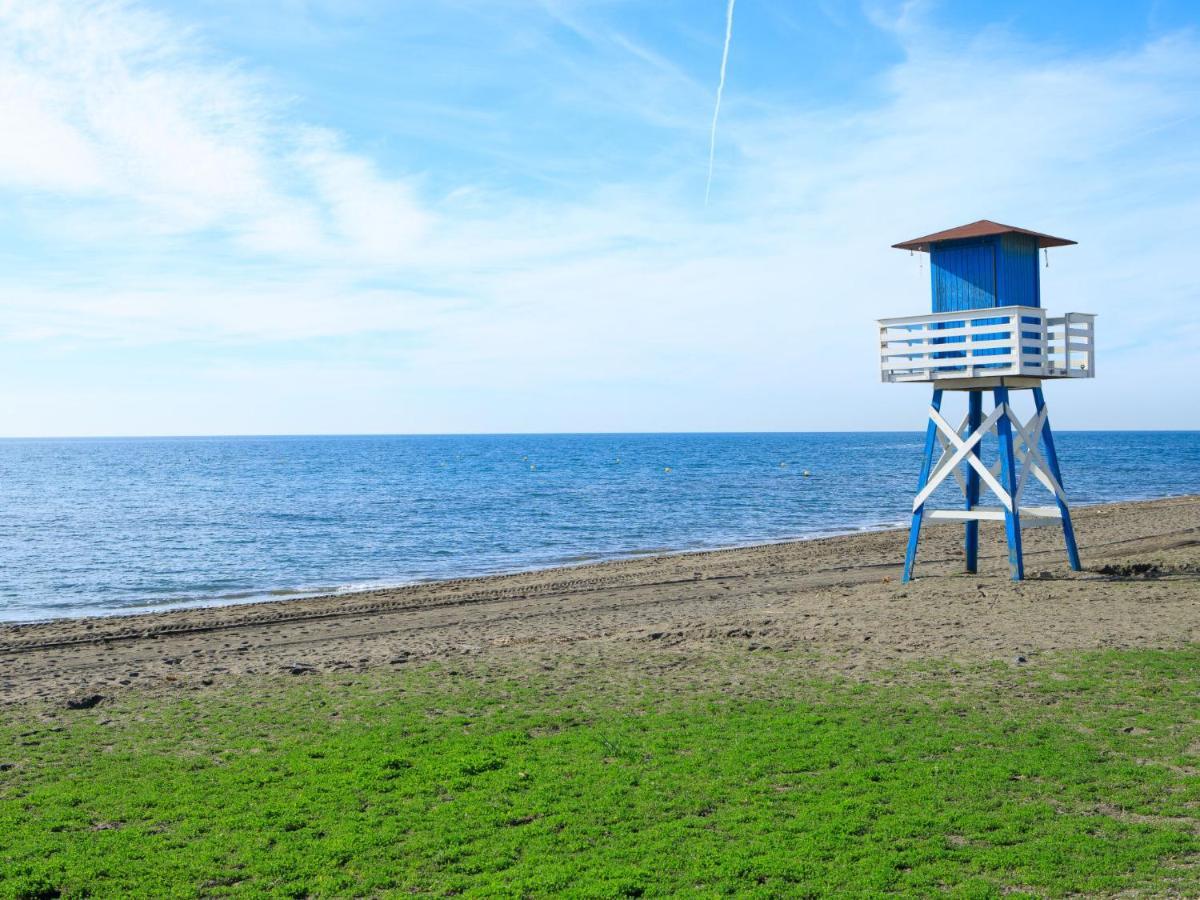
(836, 603)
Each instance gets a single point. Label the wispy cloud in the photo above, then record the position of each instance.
(116, 105)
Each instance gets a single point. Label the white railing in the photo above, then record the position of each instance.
(980, 343)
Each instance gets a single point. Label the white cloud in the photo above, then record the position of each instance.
(377, 218)
(111, 101)
(139, 117)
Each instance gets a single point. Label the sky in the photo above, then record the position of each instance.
(350, 216)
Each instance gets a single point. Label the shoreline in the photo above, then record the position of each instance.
(284, 595)
(253, 597)
(837, 601)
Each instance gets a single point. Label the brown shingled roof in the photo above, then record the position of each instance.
(982, 228)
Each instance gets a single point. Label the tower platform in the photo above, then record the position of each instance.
(980, 348)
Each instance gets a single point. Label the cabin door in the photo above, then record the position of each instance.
(964, 277)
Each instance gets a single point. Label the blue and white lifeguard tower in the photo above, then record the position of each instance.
(1014, 345)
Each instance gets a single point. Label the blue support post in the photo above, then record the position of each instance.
(914, 530)
(1008, 467)
(1052, 462)
(971, 542)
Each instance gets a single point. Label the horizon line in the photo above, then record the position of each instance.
(415, 434)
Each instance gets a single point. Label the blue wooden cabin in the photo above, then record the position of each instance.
(980, 266)
(984, 264)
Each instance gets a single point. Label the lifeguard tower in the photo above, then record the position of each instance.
(988, 332)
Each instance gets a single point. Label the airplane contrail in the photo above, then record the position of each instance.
(712, 140)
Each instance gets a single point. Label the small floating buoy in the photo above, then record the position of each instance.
(783, 465)
(533, 467)
(524, 459)
(806, 473)
(666, 468)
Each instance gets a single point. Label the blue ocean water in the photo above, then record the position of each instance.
(92, 526)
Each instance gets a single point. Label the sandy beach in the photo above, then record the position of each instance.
(838, 601)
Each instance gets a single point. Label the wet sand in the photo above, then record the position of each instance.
(837, 603)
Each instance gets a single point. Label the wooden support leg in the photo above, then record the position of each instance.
(1008, 475)
(971, 542)
(914, 530)
(1052, 462)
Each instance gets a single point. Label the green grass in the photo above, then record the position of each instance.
(1072, 776)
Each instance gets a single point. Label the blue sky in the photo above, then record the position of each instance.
(357, 216)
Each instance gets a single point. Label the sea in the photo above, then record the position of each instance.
(128, 525)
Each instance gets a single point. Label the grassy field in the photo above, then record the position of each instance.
(1072, 774)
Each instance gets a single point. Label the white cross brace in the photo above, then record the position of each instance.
(957, 449)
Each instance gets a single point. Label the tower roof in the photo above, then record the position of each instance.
(982, 228)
